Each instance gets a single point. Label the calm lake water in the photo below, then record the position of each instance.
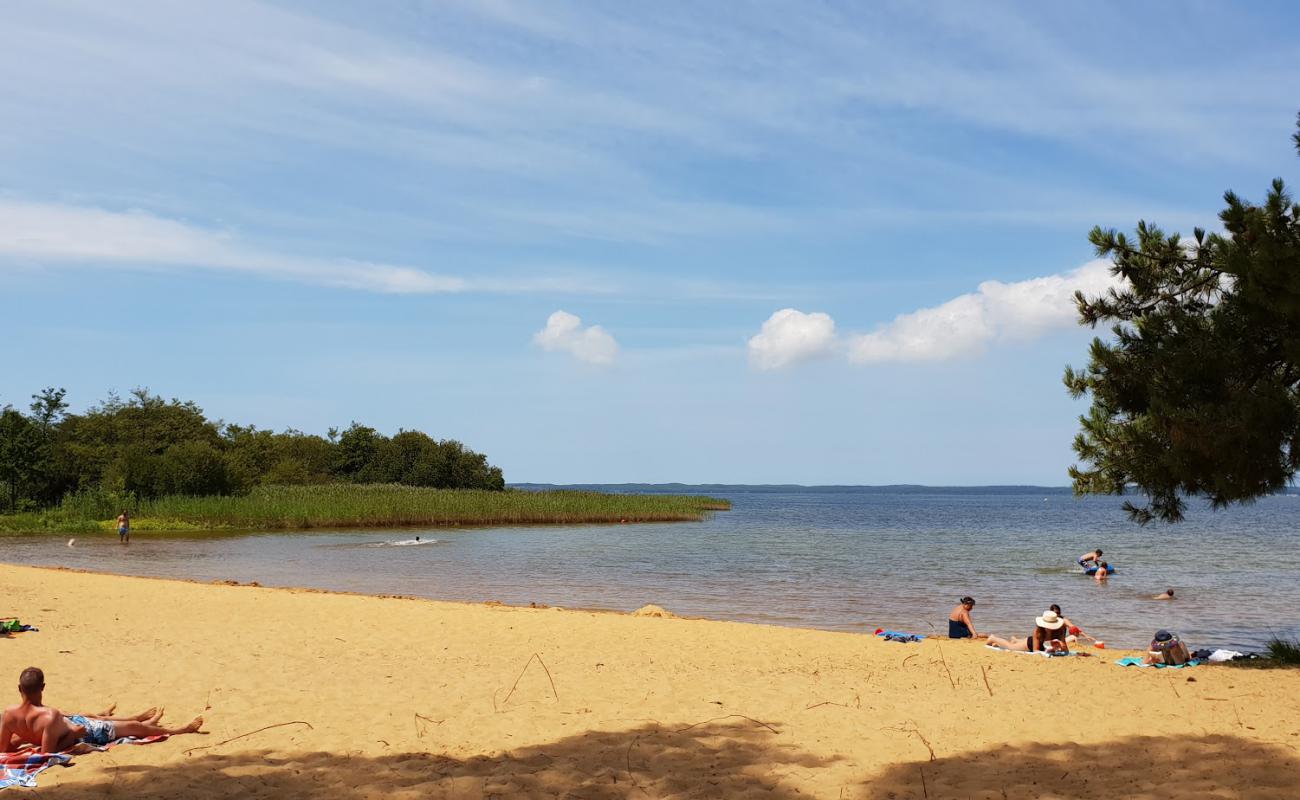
(850, 559)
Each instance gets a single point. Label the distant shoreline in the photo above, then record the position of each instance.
(334, 506)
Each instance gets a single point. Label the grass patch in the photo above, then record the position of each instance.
(1278, 653)
(1284, 651)
(364, 506)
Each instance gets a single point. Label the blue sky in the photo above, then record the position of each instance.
(801, 242)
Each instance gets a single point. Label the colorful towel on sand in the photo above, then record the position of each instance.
(899, 636)
(21, 769)
(1136, 661)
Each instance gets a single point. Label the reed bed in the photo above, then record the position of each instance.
(355, 505)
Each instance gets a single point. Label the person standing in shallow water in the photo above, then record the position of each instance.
(1090, 559)
(960, 625)
(124, 526)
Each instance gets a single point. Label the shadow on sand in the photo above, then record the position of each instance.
(1135, 767)
(718, 760)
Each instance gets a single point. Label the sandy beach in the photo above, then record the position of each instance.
(403, 698)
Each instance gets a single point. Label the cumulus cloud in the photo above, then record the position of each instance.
(963, 326)
(790, 336)
(996, 311)
(564, 332)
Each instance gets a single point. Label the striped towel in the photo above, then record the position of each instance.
(21, 769)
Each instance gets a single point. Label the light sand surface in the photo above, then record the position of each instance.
(412, 699)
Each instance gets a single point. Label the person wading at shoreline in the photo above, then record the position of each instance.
(1091, 559)
(124, 526)
(33, 723)
(960, 625)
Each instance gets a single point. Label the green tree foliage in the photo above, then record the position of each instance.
(145, 447)
(1198, 393)
(21, 454)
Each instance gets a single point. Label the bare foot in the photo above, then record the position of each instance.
(193, 727)
(148, 715)
(108, 712)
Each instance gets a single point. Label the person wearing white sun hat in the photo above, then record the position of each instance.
(1049, 627)
(1050, 632)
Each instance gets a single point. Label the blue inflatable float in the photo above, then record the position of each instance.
(1110, 570)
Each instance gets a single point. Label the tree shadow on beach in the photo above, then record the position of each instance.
(718, 759)
(721, 759)
(1134, 767)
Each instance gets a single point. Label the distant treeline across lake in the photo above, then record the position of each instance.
(174, 469)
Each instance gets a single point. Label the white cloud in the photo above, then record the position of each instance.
(963, 326)
(564, 332)
(997, 311)
(790, 336)
(46, 233)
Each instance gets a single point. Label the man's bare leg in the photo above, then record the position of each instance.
(151, 715)
(140, 730)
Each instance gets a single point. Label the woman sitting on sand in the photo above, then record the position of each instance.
(960, 625)
(1049, 633)
(1167, 649)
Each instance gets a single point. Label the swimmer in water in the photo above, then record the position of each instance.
(1168, 595)
(1103, 570)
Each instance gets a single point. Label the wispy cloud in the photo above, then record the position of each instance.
(962, 327)
(564, 333)
(597, 138)
(53, 234)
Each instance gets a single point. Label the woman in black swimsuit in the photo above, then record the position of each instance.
(960, 625)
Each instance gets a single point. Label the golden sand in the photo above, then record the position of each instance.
(402, 698)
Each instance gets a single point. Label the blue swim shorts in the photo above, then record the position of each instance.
(99, 732)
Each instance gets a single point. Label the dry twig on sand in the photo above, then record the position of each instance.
(729, 716)
(915, 731)
(944, 661)
(628, 758)
(250, 733)
(515, 685)
(825, 703)
(985, 671)
(420, 730)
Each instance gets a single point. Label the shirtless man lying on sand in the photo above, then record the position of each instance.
(48, 729)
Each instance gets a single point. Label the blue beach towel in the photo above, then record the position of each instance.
(1136, 661)
(900, 636)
